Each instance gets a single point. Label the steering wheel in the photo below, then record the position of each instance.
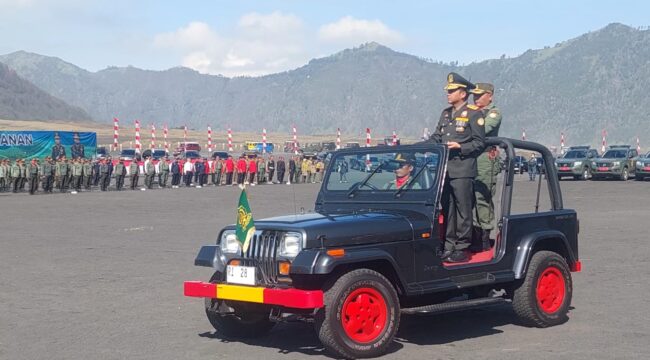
(373, 187)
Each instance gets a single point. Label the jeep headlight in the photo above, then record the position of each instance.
(616, 163)
(639, 163)
(291, 244)
(229, 242)
(577, 163)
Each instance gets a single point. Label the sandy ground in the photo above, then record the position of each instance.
(99, 276)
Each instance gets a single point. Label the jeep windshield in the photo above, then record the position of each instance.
(615, 154)
(575, 154)
(387, 171)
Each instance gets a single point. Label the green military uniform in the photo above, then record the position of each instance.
(133, 171)
(488, 169)
(163, 174)
(15, 175)
(218, 170)
(104, 179)
(32, 175)
(3, 175)
(149, 172)
(23, 175)
(77, 175)
(47, 171)
(119, 173)
(88, 174)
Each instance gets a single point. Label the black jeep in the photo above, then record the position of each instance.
(371, 252)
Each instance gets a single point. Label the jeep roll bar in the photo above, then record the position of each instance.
(509, 146)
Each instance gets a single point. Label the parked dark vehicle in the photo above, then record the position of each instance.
(618, 162)
(128, 155)
(101, 153)
(521, 164)
(370, 253)
(577, 162)
(642, 167)
(155, 154)
(192, 155)
(220, 154)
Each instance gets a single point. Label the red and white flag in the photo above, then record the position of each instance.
(523, 134)
(137, 137)
(338, 138)
(394, 138)
(116, 132)
(229, 139)
(368, 137)
(209, 139)
(638, 145)
(604, 144)
(561, 140)
(165, 131)
(264, 141)
(184, 135)
(153, 136)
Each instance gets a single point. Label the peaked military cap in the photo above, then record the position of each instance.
(482, 88)
(455, 81)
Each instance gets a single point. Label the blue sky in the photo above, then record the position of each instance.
(260, 37)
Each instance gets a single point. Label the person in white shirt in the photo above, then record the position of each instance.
(188, 172)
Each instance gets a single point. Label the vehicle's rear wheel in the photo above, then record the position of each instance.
(248, 320)
(544, 297)
(625, 174)
(639, 178)
(361, 315)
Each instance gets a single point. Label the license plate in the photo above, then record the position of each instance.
(601, 168)
(240, 274)
(565, 168)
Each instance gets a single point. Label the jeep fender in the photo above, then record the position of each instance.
(527, 244)
(318, 262)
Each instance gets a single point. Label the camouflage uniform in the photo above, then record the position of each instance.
(163, 173)
(150, 171)
(77, 175)
(15, 175)
(3, 176)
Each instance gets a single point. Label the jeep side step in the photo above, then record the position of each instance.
(453, 306)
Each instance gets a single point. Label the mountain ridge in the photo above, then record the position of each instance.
(579, 86)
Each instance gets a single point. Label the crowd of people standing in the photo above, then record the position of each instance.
(82, 174)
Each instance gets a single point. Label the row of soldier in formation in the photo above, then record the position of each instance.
(79, 173)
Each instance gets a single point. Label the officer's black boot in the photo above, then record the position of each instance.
(485, 240)
(477, 239)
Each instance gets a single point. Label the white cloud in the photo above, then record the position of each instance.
(260, 44)
(351, 31)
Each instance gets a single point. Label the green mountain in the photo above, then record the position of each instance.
(578, 87)
(21, 100)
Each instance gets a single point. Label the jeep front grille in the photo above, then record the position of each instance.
(262, 253)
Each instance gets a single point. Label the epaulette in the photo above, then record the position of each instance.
(472, 107)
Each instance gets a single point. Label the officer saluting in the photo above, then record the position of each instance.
(462, 128)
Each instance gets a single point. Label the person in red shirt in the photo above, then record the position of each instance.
(252, 171)
(229, 168)
(241, 170)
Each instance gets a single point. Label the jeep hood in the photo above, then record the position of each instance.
(350, 228)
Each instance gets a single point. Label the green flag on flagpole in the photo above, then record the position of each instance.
(245, 223)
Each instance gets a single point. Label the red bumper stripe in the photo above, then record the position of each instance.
(199, 289)
(294, 298)
(291, 298)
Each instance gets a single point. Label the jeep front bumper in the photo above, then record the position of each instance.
(289, 298)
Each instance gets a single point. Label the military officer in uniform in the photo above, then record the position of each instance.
(104, 179)
(32, 175)
(149, 172)
(485, 184)
(462, 128)
(3, 175)
(119, 173)
(133, 171)
(57, 150)
(163, 174)
(77, 149)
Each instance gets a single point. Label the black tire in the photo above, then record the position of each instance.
(540, 305)
(625, 174)
(380, 296)
(249, 320)
(639, 178)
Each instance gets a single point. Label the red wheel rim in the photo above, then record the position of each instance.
(364, 314)
(550, 290)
